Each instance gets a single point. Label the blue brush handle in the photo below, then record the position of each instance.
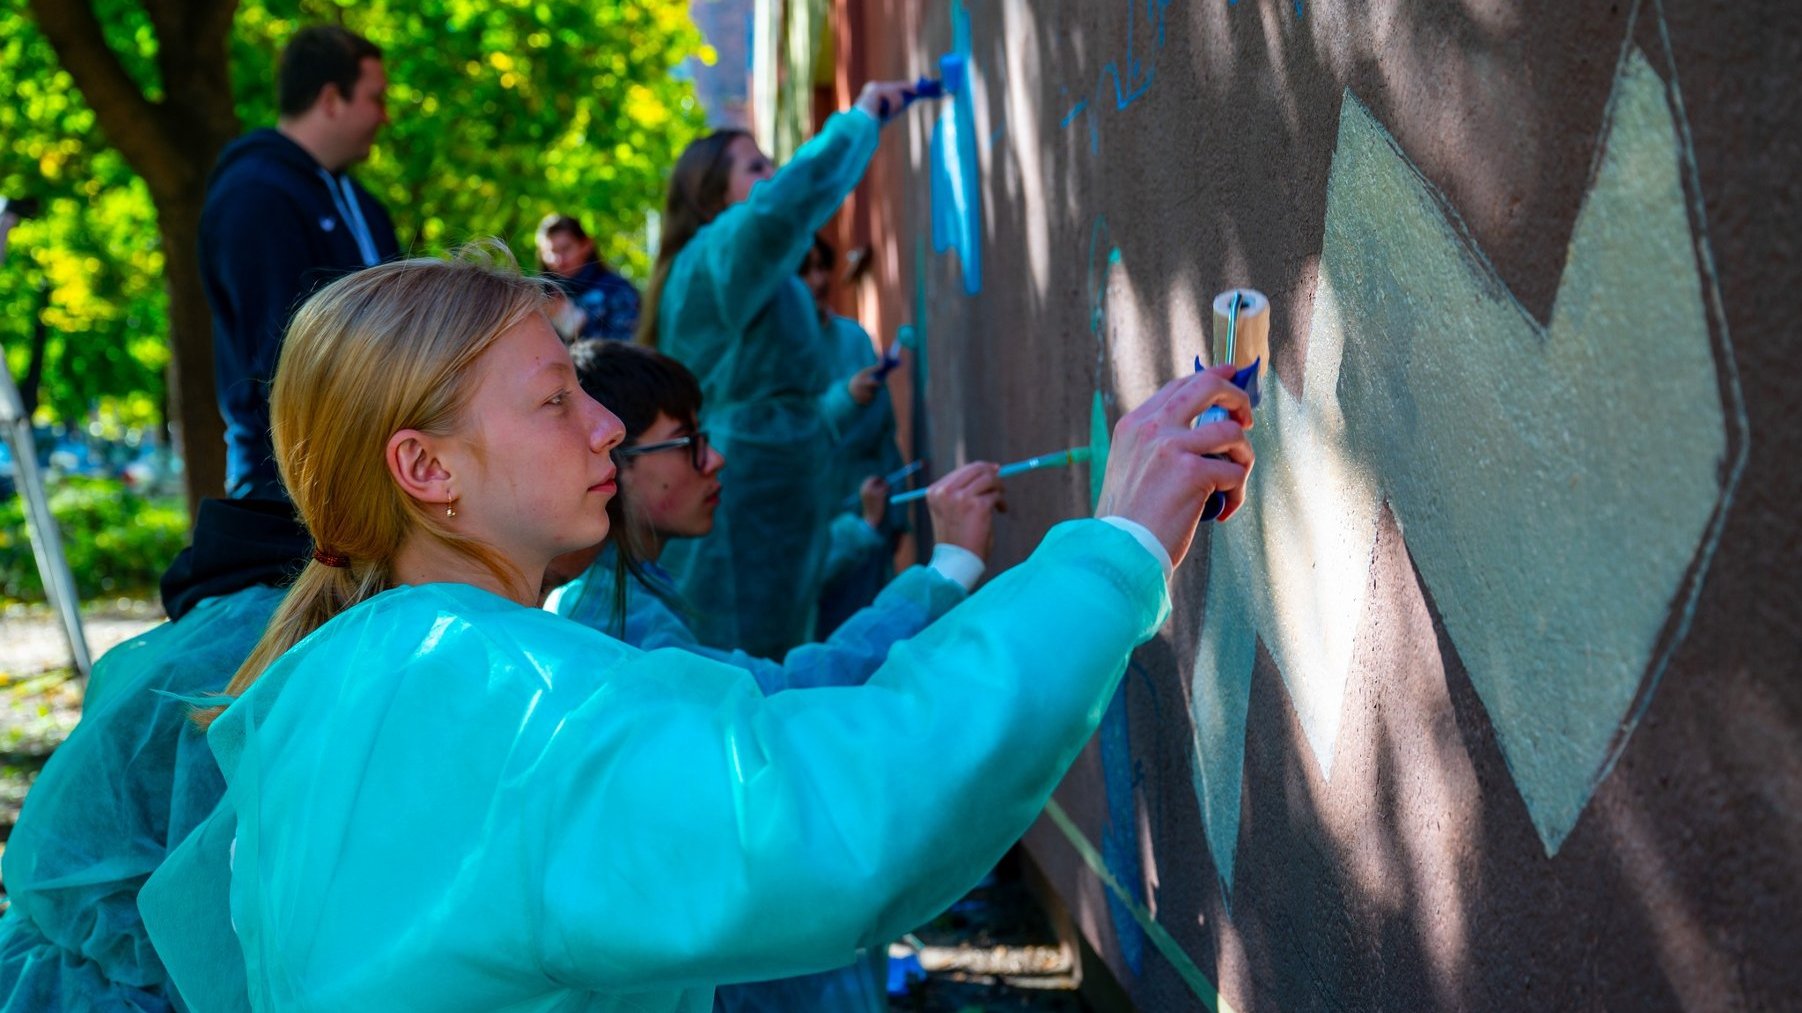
(925, 87)
(887, 364)
(1246, 379)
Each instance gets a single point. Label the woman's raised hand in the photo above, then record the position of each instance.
(1160, 471)
(864, 384)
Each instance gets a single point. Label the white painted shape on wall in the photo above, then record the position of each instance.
(1553, 482)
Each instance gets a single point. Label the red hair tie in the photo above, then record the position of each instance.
(330, 559)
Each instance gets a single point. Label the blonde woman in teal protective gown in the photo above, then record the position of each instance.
(725, 301)
(441, 797)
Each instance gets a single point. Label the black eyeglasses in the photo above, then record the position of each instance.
(695, 442)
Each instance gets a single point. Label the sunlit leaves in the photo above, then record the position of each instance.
(503, 111)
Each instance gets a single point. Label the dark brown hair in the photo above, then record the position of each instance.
(315, 57)
(697, 193)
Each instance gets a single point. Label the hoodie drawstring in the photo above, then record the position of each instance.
(345, 200)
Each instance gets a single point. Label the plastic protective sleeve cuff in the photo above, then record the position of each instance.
(958, 564)
(1143, 536)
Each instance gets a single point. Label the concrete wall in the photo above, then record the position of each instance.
(1492, 699)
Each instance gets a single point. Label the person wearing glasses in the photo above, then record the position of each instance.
(670, 482)
(669, 486)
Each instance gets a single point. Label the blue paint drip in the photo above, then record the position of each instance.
(956, 195)
(1098, 274)
(1120, 837)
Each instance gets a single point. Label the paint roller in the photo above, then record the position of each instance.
(954, 71)
(1242, 337)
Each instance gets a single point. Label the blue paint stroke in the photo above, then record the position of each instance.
(956, 196)
(1098, 272)
(1181, 962)
(1075, 111)
(1120, 836)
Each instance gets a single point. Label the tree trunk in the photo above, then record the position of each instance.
(172, 144)
(33, 380)
(194, 419)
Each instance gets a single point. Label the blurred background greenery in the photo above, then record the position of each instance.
(503, 111)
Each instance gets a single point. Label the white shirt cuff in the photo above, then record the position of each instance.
(1143, 536)
(957, 564)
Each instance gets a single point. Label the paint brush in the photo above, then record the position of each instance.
(891, 478)
(1060, 459)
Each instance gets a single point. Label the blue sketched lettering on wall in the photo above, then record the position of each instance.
(1130, 85)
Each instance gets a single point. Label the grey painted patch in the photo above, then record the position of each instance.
(1554, 482)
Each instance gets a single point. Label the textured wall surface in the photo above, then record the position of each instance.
(1493, 698)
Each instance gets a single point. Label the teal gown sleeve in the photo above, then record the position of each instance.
(129, 783)
(848, 658)
(447, 801)
(735, 264)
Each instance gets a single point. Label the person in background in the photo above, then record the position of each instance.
(724, 300)
(282, 218)
(135, 776)
(866, 446)
(442, 797)
(597, 302)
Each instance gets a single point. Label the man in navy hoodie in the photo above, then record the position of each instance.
(281, 220)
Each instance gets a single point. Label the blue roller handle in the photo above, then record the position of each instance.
(952, 71)
(925, 87)
(886, 365)
(1246, 379)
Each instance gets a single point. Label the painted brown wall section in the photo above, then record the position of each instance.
(1422, 820)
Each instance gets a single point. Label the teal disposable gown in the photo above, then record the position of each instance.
(447, 801)
(133, 779)
(653, 620)
(734, 312)
(866, 447)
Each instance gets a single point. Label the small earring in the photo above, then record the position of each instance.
(450, 511)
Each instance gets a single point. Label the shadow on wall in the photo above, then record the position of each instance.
(1480, 234)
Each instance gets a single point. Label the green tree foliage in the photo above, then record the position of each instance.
(92, 259)
(503, 110)
(117, 541)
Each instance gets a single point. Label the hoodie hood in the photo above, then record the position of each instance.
(264, 146)
(238, 543)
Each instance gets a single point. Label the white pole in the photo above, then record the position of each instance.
(46, 540)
